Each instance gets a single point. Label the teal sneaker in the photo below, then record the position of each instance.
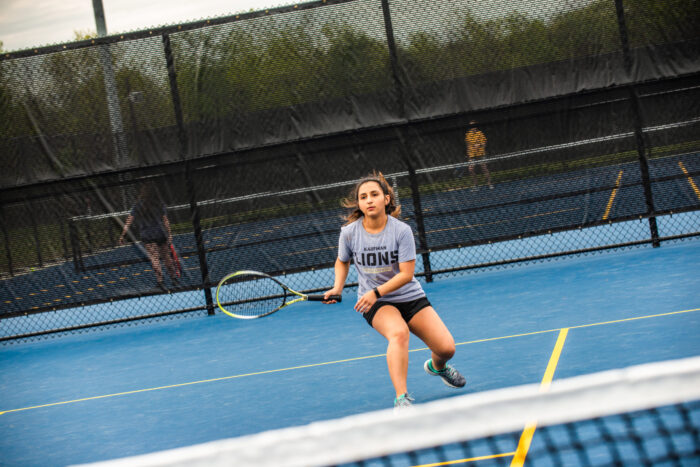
(450, 376)
(404, 401)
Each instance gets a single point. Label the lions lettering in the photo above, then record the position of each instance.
(377, 258)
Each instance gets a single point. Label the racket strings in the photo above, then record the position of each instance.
(251, 296)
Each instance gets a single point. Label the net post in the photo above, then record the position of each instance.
(194, 209)
(638, 126)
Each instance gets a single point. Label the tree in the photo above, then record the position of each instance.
(355, 63)
(654, 22)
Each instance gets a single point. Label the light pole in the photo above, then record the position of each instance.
(115, 114)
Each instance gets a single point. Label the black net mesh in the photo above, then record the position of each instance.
(253, 128)
(659, 436)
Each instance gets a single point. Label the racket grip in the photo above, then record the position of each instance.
(319, 298)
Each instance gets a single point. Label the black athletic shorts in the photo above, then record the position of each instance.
(407, 309)
(158, 240)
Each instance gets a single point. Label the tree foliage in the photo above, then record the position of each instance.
(230, 70)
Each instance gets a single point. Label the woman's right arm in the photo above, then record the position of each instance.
(341, 274)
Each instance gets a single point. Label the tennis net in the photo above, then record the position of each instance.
(640, 415)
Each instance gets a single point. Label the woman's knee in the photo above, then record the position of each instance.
(400, 335)
(446, 350)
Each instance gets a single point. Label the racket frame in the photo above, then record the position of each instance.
(300, 296)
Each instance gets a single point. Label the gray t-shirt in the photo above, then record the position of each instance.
(377, 257)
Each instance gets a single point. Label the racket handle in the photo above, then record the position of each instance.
(319, 298)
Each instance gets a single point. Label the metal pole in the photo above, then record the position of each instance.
(75, 245)
(393, 58)
(406, 154)
(395, 186)
(638, 125)
(8, 250)
(35, 230)
(66, 255)
(113, 108)
(189, 176)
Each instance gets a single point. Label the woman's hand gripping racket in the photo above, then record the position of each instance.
(252, 294)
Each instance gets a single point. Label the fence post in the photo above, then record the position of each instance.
(75, 245)
(37, 242)
(66, 255)
(194, 209)
(8, 250)
(405, 152)
(638, 124)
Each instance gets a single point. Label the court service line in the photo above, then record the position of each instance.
(191, 383)
(346, 360)
(690, 179)
(612, 196)
(529, 431)
(488, 339)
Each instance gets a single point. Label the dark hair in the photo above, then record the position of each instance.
(352, 201)
(150, 203)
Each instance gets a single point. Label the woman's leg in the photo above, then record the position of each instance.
(488, 174)
(472, 171)
(390, 324)
(154, 255)
(427, 325)
(167, 258)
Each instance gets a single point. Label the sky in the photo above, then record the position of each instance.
(32, 23)
(25, 24)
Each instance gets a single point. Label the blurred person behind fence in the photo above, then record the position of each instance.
(150, 221)
(476, 150)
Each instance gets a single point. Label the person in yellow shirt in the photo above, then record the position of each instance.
(476, 149)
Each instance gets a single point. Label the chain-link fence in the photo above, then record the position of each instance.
(512, 132)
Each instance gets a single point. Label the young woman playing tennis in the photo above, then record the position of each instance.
(391, 300)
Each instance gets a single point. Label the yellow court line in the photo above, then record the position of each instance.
(529, 431)
(690, 179)
(612, 196)
(223, 378)
(353, 359)
(533, 333)
(471, 459)
(624, 320)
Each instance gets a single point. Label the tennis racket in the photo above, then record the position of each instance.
(176, 261)
(252, 294)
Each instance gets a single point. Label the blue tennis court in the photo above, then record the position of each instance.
(133, 390)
